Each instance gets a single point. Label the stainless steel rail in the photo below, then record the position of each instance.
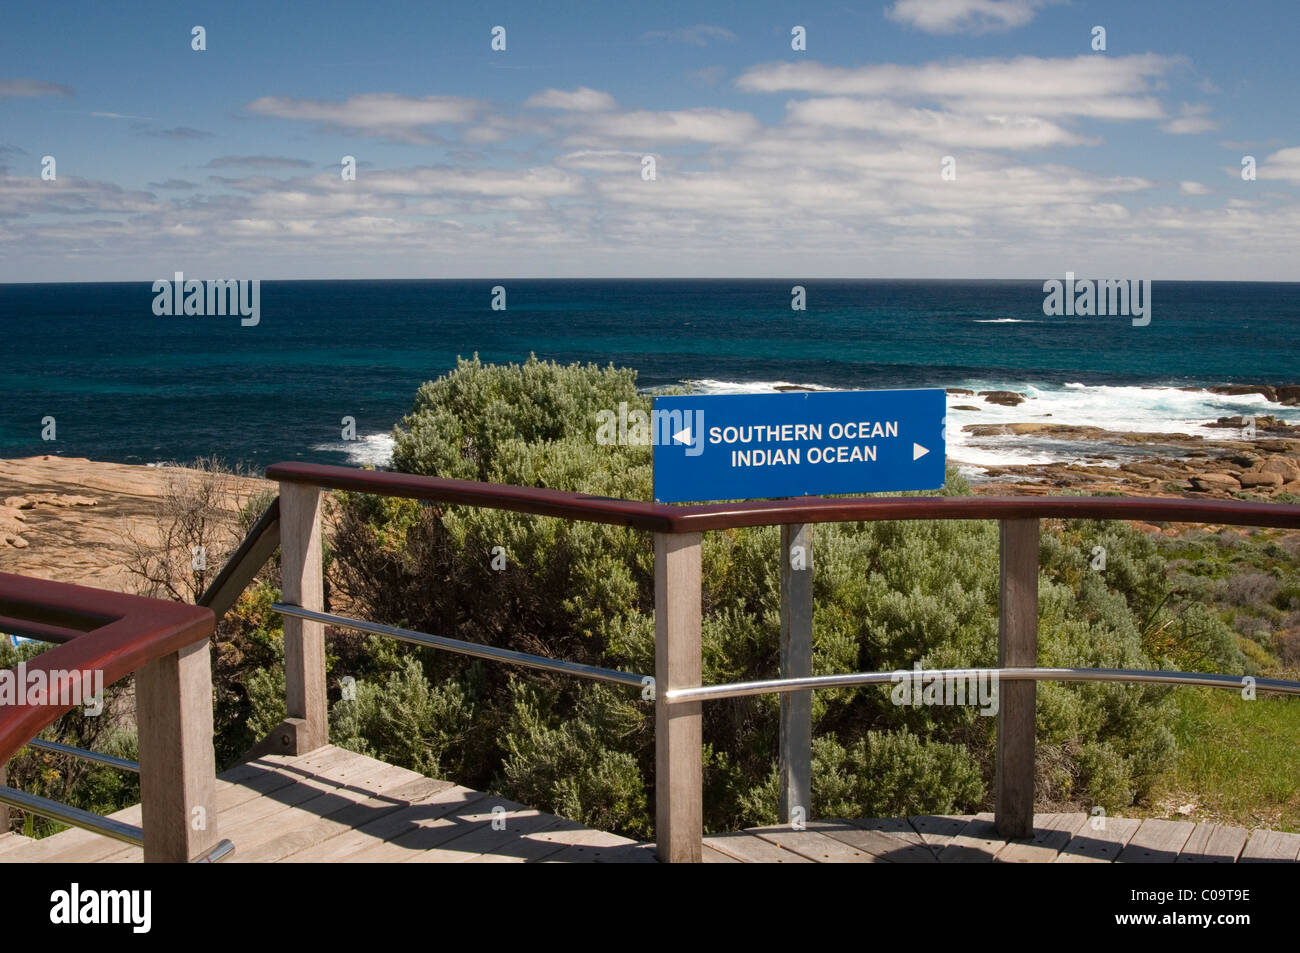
(108, 759)
(468, 648)
(737, 689)
(73, 816)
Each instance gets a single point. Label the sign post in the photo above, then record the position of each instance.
(747, 446)
(759, 446)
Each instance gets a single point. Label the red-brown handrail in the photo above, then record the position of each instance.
(100, 631)
(664, 518)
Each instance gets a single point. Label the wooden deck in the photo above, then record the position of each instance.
(336, 806)
(971, 839)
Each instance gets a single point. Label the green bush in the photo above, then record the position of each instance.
(888, 595)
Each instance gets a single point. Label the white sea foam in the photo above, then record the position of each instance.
(368, 450)
(709, 386)
(1004, 321)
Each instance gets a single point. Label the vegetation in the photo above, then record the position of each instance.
(887, 595)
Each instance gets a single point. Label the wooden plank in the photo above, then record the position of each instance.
(173, 697)
(547, 841)
(1213, 844)
(679, 793)
(1051, 833)
(814, 845)
(304, 641)
(1089, 846)
(1013, 782)
(313, 824)
(488, 838)
(976, 843)
(713, 856)
(1156, 842)
(898, 827)
(1271, 847)
(885, 847)
(795, 722)
(937, 830)
(12, 840)
(629, 853)
(384, 828)
(428, 833)
(752, 849)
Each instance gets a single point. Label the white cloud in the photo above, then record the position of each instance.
(28, 88)
(1192, 188)
(1096, 86)
(929, 125)
(382, 115)
(953, 16)
(582, 99)
(698, 35)
(669, 126)
(1283, 164)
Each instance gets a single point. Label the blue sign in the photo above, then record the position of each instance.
(753, 446)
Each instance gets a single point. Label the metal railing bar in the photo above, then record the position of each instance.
(1205, 680)
(216, 853)
(468, 648)
(108, 759)
(73, 816)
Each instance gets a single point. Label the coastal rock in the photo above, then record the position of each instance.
(1020, 430)
(965, 407)
(1008, 398)
(1236, 390)
(1251, 479)
(1286, 394)
(959, 392)
(1210, 482)
(1285, 467)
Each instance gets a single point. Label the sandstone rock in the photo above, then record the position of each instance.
(1285, 467)
(1256, 478)
(1007, 398)
(1207, 482)
(1293, 487)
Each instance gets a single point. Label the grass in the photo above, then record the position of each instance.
(1238, 761)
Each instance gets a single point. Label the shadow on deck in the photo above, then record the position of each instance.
(336, 806)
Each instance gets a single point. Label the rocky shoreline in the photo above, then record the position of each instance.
(1261, 460)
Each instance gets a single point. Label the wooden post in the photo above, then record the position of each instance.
(1017, 648)
(679, 792)
(178, 799)
(796, 662)
(304, 641)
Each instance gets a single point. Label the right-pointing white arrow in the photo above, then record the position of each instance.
(918, 451)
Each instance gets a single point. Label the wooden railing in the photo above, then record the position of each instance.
(678, 665)
(165, 644)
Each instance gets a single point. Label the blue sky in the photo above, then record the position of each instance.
(769, 161)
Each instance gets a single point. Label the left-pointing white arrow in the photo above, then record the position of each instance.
(683, 435)
(918, 451)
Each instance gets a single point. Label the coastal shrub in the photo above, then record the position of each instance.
(888, 595)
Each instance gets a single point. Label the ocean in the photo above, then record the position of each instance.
(128, 386)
